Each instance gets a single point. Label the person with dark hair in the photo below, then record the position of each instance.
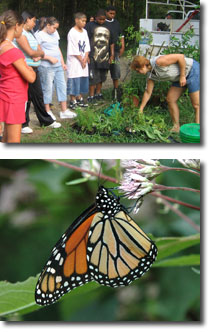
(52, 67)
(101, 54)
(77, 62)
(33, 53)
(14, 77)
(119, 46)
(183, 72)
(168, 16)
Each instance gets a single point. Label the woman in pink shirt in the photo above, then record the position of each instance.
(14, 77)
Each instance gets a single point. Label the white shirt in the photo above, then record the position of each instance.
(78, 44)
(50, 45)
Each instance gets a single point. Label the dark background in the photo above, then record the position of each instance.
(128, 11)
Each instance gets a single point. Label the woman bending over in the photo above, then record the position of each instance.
(183, 72)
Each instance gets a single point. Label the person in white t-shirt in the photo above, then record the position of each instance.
(52, 67)
(77, 62)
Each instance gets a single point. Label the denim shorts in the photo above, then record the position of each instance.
(115, 68)
(193, 79)
(77, 86)
(51, 77)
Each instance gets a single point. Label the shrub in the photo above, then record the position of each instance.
(184, 46)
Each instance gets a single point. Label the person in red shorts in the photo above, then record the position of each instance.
(14, 77)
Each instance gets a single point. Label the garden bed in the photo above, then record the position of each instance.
(92, 125)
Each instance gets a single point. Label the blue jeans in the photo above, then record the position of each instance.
(77, 86)
(193, 79)
(50, 77)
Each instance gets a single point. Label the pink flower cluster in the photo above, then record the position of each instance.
(137, 178)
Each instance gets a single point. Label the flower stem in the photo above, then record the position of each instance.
(162, 187)
(181, 169)
(173, 200)
(81, 170)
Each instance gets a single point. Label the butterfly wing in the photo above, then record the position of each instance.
(67, 267)
(103, 244)
(118, 250)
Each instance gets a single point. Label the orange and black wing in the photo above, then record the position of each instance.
(67, 267)
(104, 244)
(118, 250)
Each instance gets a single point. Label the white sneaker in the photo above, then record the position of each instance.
(26, 130)
(55, 125)
(67, 114)
(52, 115)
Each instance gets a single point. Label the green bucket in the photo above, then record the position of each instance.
(190, 133)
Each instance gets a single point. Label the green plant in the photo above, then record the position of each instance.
(134, 37)
(153, 127)
(184, 46)
(98, 121)
(135, 86)
(86, 119)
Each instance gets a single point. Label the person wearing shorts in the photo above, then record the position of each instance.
(101, 54)
(77, 62)
(183, 72)
(119, 47)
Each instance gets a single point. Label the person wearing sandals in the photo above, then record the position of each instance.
(77, 62)
(183, 72)
(52, 67)
(33, 53)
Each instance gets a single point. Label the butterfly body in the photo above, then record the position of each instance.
(103, 244)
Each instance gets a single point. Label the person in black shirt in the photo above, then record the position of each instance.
(119, 46)
(101, 54)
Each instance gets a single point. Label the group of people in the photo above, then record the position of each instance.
(32, 66)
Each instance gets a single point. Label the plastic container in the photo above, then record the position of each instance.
(190, 133)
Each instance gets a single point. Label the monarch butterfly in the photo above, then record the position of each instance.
(103, 244)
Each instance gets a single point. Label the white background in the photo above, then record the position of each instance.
(142, 151)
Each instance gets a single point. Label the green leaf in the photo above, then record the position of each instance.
(187, 260)
(17, 297)
(77, 181)
(170, 246)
